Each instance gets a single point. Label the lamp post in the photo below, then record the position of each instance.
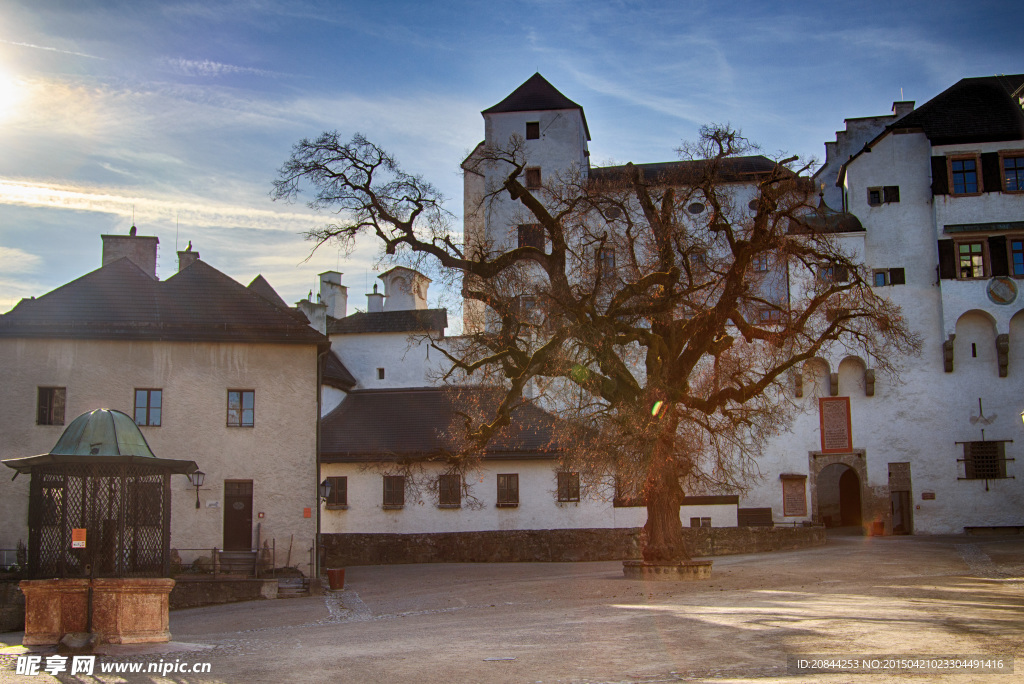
(197, 478)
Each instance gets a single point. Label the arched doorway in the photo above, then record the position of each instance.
(839, 503)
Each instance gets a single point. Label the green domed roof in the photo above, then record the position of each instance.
(101, 436)
(102, 432)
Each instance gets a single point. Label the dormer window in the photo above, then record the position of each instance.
(533, 130)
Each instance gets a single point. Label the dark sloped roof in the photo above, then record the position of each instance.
(732, 169)
(336, 374)
(260, 286)
(408, 321)
(372, 425)
(537, 95)
(119, 301)
(972, 110)
(826, 220)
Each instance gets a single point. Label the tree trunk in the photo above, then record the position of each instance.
(662, 538)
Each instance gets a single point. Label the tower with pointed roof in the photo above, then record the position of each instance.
(553, 132)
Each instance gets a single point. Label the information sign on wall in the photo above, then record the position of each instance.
(794, 494)
(78, 538)
(836, 434)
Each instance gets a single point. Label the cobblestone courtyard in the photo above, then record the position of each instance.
(583, 622)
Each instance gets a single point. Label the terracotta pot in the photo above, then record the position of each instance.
(336, 578)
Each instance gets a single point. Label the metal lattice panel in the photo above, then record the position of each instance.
(124, 508)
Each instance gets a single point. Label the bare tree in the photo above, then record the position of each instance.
(660, 309)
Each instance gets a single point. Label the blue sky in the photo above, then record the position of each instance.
(183, 111)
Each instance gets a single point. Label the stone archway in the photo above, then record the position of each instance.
(837, 484)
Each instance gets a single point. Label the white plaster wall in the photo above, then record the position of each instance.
(408, 361)
(538, 507)
(278, 453)
(919, 417)
(561, 149)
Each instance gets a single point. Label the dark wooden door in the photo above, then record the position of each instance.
(238, 514)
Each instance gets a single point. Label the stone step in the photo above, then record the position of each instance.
(292, 587)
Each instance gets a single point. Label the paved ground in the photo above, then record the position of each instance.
(561, 622)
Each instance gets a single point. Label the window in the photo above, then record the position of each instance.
(380, 373)
(1013, 174)
(759, 263)
(339, 491)
(1017, 256)
(241, 408)
(449, 490)
(508, 489)
(533, 177)
(769, 314)
(833, 273)
(880, 277)
(394, 491)
(568, 487)
(883, 195)
(970, 259)
(148, 405)
(964, 174)
(985, 460)
(533, 130)
(606, 262)
(627, 496)
(50, 405)
(531, 235)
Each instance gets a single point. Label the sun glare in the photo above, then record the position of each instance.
(12, 92)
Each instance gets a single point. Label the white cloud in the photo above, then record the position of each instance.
(209, 68)
(183, 210)
(14, 260)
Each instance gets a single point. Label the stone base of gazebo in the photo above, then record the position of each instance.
(687, 570)
(124, 611)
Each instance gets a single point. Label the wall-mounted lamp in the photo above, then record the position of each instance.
(325, 489)
(197, 478)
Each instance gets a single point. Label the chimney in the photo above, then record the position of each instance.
(375, 301)
(187, 257)
(316, 313)
(405, 288)
(140, 250)
(333, 294)
(902, 108)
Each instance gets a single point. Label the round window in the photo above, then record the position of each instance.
(695, 208)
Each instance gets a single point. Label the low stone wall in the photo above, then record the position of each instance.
(565, 545)
(190, 592)
(12, 607)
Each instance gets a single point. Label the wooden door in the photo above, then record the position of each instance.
(238, 514)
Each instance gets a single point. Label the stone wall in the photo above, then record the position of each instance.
(565, 545)
(192, 592)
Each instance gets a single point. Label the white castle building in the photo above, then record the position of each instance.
(932, 198)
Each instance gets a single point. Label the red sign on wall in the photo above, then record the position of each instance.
(836, 431)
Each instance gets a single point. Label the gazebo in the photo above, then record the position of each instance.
(99, 534)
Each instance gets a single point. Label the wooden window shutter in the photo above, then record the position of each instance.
(997, 254)
(940, 177)
(991, 174)
(947, 259)
(897, 276)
